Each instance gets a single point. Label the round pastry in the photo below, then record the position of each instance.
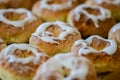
(2, 44)
(112, 5)
(66, 67)
(52, 10)
(102, 52)
(20, 62)
(54, 37)
(16, 25)
(91, 20)
(19, 3)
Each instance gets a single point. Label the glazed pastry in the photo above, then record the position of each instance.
(102, 52)
(112, 5)
(54, 37)
(20, 62)
(91, 20)
(16, 25)
(52, 10)
(2, 44)
(66, 67)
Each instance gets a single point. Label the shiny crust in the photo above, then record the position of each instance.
(53, 48)
(102, 61)
(87, 27)
(13, 34)
(53, 15)
(19, 71)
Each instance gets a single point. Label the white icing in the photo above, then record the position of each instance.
(8, 53)
(78, 66)
(44, 35)
(86, 48)
(115, 27)
(17, 23)
(115, 2)
(56, 7)
(95, 18)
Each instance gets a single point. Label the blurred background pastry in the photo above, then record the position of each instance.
(91, 20)
(70, 67)
(52, 10)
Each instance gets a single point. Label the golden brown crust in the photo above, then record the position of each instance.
(13, 34)
(53, 15)
(104, 62)
(87, 27)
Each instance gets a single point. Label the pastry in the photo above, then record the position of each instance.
(16, 25)
(102, 52)
(66, 67)
(91, 20)
(54, 37)
(52, 10)
(20, 62)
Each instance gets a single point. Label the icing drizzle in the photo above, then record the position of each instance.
(44, 35)
(80, 10)
(86, 49)
(8, 53)
(18, 23)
